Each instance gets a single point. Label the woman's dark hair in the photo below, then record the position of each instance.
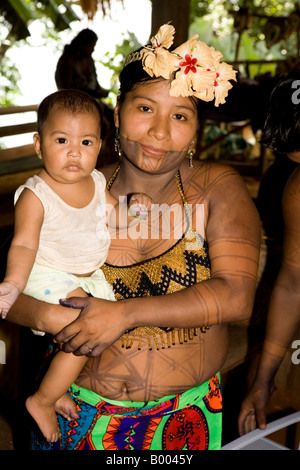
(133, 74)
(281, 132)
(72, 101)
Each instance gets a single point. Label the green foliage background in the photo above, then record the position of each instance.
(213, 20)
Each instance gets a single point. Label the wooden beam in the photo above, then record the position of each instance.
(18, 109)
(16, 152)
(18, 129)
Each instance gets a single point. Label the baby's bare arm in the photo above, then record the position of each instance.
(21, 255)
(27, 311)
(28, 221)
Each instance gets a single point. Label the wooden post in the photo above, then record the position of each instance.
(176, 11)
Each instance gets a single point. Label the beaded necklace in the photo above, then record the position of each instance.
(118, 276)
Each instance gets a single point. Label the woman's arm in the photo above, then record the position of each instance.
(233, 236)
(283, 314)
(39, 315)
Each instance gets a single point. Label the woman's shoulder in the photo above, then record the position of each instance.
(205, 173)
(213, 183)
(292, 189)
(295, 176)
(291, 206)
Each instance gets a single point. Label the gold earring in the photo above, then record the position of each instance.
(190, 154)
(40, 156)
(118, 144)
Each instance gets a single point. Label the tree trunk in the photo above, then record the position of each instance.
(175, 11)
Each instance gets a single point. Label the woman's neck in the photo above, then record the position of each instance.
(131, 179)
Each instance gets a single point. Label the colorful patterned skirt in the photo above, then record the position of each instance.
(187, 421)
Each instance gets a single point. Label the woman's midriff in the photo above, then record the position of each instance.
(143, 375)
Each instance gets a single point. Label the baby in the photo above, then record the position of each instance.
(61, 236)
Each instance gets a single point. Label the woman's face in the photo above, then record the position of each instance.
(156, 129)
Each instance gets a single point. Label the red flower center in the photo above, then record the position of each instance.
(216, 83)
(189, 64)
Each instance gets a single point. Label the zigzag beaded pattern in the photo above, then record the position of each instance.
(176, 269)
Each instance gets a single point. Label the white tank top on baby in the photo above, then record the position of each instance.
(74, 240)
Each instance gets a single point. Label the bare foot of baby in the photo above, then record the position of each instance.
(66, 407)
(44, 416)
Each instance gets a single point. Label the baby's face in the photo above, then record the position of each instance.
(70, 145)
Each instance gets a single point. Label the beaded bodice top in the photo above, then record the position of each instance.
(184, 264)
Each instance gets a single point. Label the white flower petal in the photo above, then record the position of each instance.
(206, 95)
(216, 55)
(181, 85)
(226, 72)
(164, 36)
(186, 47)
(203, 53)
(160, 62)
(221, 92)
(202, 79)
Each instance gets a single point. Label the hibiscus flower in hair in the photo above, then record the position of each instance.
(223, 74)
(194, 68)
(157, 60)
(191, 76)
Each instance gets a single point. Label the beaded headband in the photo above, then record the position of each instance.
(194, 68)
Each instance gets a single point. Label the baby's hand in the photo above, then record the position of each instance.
(140, 205)
(8, 295)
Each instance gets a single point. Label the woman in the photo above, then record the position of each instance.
(282, 135)
(152, 381)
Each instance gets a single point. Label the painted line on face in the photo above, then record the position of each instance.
(150, 157)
